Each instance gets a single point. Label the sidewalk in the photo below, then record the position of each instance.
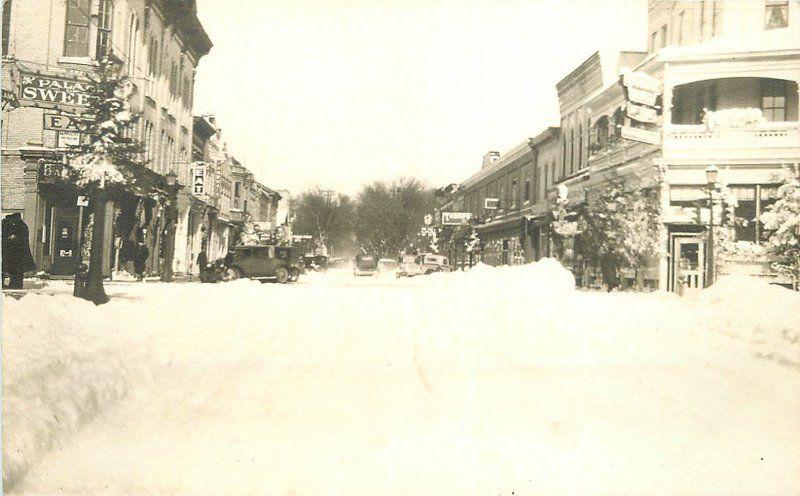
(39, 285)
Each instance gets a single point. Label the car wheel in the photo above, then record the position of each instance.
(282, 275)
(233, 273)
(429, 272)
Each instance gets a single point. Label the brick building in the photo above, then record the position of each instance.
(48, 48)
(718, 87)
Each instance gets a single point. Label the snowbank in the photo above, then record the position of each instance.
(485, 381)
(750, 308)
(64, 361)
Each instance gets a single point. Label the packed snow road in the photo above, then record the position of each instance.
(498, 381)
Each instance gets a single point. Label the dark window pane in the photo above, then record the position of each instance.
(76, 43)
(76, 35)
(777, 15)
(78, 12)
(6, 24)
(746, 213)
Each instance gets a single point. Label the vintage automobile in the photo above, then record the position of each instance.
(366, 265)
(264, 263)
(423, 265)
(387, 266)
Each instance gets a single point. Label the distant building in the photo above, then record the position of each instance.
(210, 190)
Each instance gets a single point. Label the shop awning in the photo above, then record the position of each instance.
(514, 223)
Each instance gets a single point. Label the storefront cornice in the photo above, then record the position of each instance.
(737, 56)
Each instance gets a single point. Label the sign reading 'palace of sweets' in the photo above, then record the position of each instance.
(53, 90)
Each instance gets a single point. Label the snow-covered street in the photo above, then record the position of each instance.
(496, 381)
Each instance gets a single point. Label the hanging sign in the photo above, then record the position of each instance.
(83, 201)
(641, 96)
(641, 113)
(53, 90)
(642, 88)
(69, 138)
(636, 134)
(642, 81)
(50, 171)
(199, 180)
(60, 122)
(491, 203)
(455, 218)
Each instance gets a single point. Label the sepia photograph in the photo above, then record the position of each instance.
(400, 247)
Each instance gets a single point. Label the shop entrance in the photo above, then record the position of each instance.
(688, 262)
(64, 241)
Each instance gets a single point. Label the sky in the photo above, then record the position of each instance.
(342, 93)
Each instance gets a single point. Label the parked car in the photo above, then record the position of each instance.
(264, 263)
(387, 266)
(366, 265)
(423, 265)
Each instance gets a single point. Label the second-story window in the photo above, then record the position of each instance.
(527, 190)
(716, 17)
(173, 76)
(777, 14)
(514, 193)
(104, 20)
(133, 43)
(773, 99)
(6, 25)
(663, 36)
(76, 33)
(152, 56)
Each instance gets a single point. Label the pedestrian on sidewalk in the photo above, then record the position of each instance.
(202, 265)
(17, 258)
(609, 266)
(140, 260)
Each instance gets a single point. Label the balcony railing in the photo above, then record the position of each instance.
(773, 134)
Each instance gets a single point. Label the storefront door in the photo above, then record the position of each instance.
(65, 239)
(688, 259)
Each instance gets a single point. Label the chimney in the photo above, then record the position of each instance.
(490, 158)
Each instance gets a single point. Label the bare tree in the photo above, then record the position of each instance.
(327, 216)
(389, 214)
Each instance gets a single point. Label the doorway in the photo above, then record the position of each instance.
(64, 240)
(688, 263)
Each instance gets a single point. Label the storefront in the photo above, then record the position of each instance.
(503, 242)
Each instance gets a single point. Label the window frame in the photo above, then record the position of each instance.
(104, 28)
(769, 7)
(6, 44)
(85, 28)
(773, 83)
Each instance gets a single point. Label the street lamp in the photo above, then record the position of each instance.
(171, 180)
(711, 179)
